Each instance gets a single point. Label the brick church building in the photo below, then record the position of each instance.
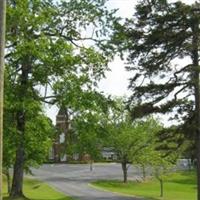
(58, 150)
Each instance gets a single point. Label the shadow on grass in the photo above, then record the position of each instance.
(185, 181)
(187, 178)
(120, 184)
(7, 198)
(64, 198)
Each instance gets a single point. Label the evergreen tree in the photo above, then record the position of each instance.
(162, 44)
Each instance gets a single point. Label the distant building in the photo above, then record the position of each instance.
(58, 151)
(108, 153)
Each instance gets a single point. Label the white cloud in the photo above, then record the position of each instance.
(126, 7)
(116, 81)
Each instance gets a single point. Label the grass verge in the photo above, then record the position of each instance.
(178, 186)
(36, 190)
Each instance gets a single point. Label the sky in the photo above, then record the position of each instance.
(116, 81)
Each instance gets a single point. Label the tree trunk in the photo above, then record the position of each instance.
(124, 169)
(91, 165)
(7, 173)
(161, 187)
(195, 59)
(2, 46)
(17, 184)
(143, 172)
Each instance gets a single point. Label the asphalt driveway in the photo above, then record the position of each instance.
(74, 179)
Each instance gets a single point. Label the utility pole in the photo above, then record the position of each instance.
(2, 47)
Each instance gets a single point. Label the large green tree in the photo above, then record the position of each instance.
(46, 44)
(39, 132)
(162, 44)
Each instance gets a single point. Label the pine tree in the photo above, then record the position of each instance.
(162, 43)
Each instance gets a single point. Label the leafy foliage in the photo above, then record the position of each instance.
(50, 60)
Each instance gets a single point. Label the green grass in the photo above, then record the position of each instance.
(36, 190)
(179, 186)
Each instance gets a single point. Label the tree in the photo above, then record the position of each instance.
(158, 162)
(90, 135)
(143, 160)
(39, 133)
(45, 47)
(82, 109)
(88, 130)
(2, 44)
(127, 138)
(162, 43)
(161, 165)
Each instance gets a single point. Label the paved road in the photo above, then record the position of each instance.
(74, 179)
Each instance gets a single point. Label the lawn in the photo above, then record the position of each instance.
(178, 186)
(36, 190)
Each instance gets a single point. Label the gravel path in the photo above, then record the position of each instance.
(74, 179)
